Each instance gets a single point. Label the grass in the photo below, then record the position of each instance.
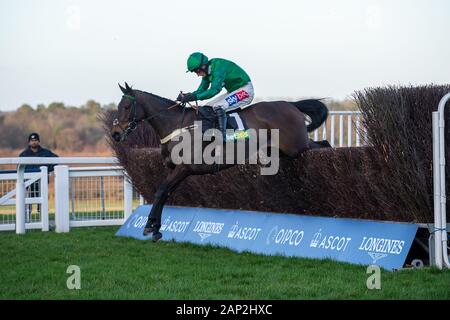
(33, 266)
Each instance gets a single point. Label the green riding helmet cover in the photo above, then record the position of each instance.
(195, 60)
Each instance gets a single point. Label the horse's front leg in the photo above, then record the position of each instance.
(154, 218)
(162, 194)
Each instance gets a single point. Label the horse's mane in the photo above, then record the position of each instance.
(162, 99)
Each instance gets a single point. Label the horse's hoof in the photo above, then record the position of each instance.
(157, 236)
(148, 231)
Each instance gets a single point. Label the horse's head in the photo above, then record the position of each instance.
(129, 114)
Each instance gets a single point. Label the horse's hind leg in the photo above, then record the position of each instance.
(161, 196)
(293, 144)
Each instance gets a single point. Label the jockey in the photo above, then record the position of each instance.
(216, 74)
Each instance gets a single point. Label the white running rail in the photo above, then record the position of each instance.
(440, 206)
(59, 182)
(42, 199)
(349, 131)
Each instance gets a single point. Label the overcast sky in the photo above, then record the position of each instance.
(72, 51)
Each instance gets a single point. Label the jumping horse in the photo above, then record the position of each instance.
(167, 117)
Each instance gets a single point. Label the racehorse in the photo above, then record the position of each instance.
(167, 117)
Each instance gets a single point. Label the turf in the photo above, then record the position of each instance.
(33, 266)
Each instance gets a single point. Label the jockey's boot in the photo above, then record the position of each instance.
(222, 120)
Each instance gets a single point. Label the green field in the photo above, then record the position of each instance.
(33, 266)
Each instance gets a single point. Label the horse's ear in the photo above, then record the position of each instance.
(129, 90)
(124, 91)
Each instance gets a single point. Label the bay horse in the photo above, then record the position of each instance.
(167, 117)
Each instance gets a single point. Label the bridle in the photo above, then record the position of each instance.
(132, 125)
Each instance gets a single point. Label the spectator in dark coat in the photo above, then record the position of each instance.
(35, 150)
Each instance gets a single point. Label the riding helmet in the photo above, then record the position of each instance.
(195, 60)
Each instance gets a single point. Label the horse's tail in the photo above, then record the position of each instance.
(315, 109)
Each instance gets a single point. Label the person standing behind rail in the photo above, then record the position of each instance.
(35, 150)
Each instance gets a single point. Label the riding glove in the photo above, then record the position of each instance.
(186, 97)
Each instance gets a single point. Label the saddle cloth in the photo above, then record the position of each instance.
(209, 120)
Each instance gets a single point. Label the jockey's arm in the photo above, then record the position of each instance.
(204, 85)
(216, 87)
